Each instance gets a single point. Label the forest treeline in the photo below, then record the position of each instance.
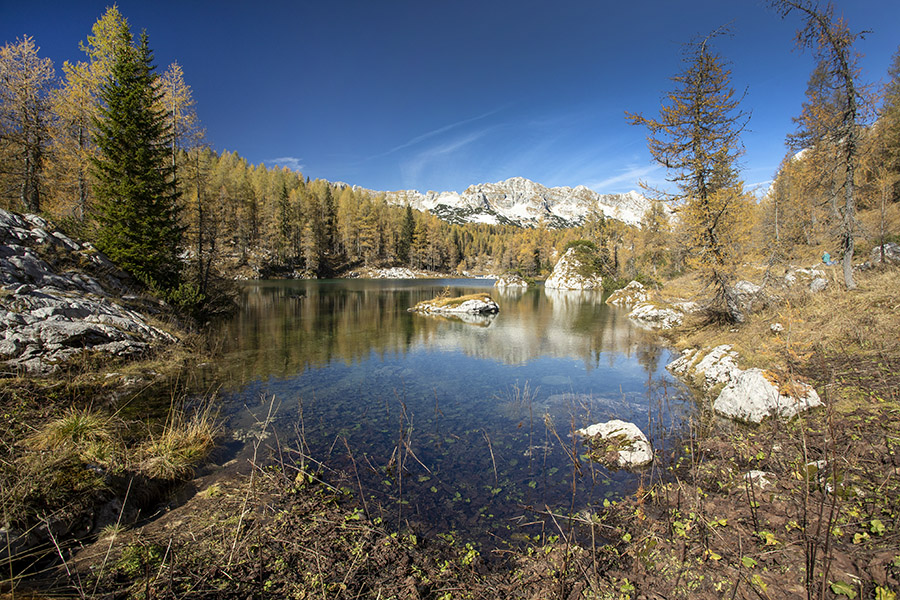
(60, 156)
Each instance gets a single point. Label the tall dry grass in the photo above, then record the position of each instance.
(186, 441)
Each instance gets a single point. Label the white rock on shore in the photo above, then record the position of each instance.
(510, 280)
(656, 317)
(630, 295)
(749, 395)
(624, 442)
(752, 397)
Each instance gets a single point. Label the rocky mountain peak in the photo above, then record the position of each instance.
(525, 203)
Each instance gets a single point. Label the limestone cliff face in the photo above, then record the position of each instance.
(60, 298)
(519, 201)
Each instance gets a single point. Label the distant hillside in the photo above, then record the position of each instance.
(521, 202)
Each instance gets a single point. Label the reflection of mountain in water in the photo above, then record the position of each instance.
(286, 327)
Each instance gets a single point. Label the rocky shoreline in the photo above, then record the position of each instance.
(60, 299)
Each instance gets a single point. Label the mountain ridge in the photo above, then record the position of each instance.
(521, 202)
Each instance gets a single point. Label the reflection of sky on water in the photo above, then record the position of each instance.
(482, 412)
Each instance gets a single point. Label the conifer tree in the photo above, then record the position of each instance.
(24, 100)
(697, 138)
(407, 231)
(137, 214)
(838, 125)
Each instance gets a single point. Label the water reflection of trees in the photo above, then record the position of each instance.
(286, 327)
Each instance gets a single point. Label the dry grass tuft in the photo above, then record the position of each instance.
(185, 442)
(84, 433)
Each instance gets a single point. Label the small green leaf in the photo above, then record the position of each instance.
(876, 527)
(843, 589)
(626, 538)
(748, 562)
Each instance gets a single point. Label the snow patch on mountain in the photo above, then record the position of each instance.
(519, 201)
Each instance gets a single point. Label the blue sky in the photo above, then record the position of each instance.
(439, 95)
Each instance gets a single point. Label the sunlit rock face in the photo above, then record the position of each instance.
(619, 443)
(750, 395)
(568, 274)
(61, 298)
(519, 201)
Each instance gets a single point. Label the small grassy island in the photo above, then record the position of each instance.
(470, 304)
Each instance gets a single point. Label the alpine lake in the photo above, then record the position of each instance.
(450, 426)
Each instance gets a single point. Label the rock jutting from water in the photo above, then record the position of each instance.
(570, 274)
(476, 304)
(60, 298)
(618, 443)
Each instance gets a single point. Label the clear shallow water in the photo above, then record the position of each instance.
(454, 425)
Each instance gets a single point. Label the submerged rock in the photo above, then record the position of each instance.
(570, 273)
(619, 443)
(751, 397)
(631, 294)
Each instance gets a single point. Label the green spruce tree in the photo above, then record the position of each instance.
(137, 214)
(405, 240)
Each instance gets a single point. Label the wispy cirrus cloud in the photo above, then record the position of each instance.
(436, 132)
(291, 162)
(631, 177)
(413, 167)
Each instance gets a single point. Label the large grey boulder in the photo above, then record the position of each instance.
(619, 443)
(567, 274)
(751, 397)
